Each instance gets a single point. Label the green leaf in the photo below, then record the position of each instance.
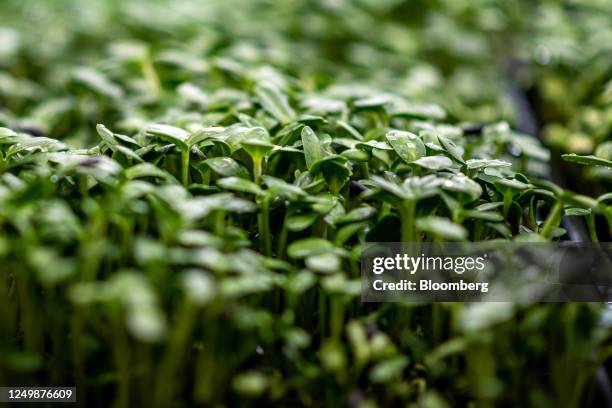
(169, 134)
(408, 146)
(232, 288)
(199, 286)
(325, 263)
(336, 174)
(332, 356)
(274, 102)
(489, 206)
(418, 188)
(511, 184)
(389, 187)
(147, 170)
(604, 150)
(312, 120)
(501, 228)
(301, 222)
(107, 136)
(300, 282)
(309, 247)
(373, 144)
(468, 188)
(482, 215)
(389, 370)
(250, 384)
(226, 166)
(442, 227)
(6, 133)
(529, 146)
(373, 102)
(587, 160)
(240, 184)
(256, 148)
(348, 231)
(324, 203)
(126, 151)
(32, 144)
(204, 134)
(577, 211)
(356, 155)
(410, 110)
(434, 162)
(604, 198)
(199, 238)
(288, 134)
(579, 200)
(349, 129)
(486, 163)
(98, 82)
(313, 152)
(358, 214)
(451, 148)
(281, 187)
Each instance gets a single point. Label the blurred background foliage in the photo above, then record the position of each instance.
(473, 57)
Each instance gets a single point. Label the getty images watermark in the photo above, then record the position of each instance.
(486, 271)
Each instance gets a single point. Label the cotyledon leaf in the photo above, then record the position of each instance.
(408, 146)
(587, 160)
(256, 148)
(462, 184)
(240, 184)
(434, 162)
(301, 222)
(451, 148)
(98, 82)
(169, 134)
(107, 136)
(313, 152)
(308, 247)
(274, 102)
(126, 151)
(327, 262)
(358, 214)
(482, 163)
(147, 170)
(281, 187)
(226, 166)
(442, 227)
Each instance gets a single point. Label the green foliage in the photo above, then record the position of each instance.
(187, 231)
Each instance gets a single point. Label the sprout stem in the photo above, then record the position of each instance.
(553, 220)
(407, 214)
(185, 167)
(365, 170)
(592, 228)
(257, 169)
(266, 226)
(282, 241)
(507, 203)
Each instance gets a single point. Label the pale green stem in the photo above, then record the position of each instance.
(185, 167)
(592, 227)
(257, 169)
(267, 239)
(553, 220)
(407, 214)
(507, 203)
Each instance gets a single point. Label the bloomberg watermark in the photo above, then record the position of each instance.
(486, 271)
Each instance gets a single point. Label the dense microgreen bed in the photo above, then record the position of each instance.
(183, 203)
